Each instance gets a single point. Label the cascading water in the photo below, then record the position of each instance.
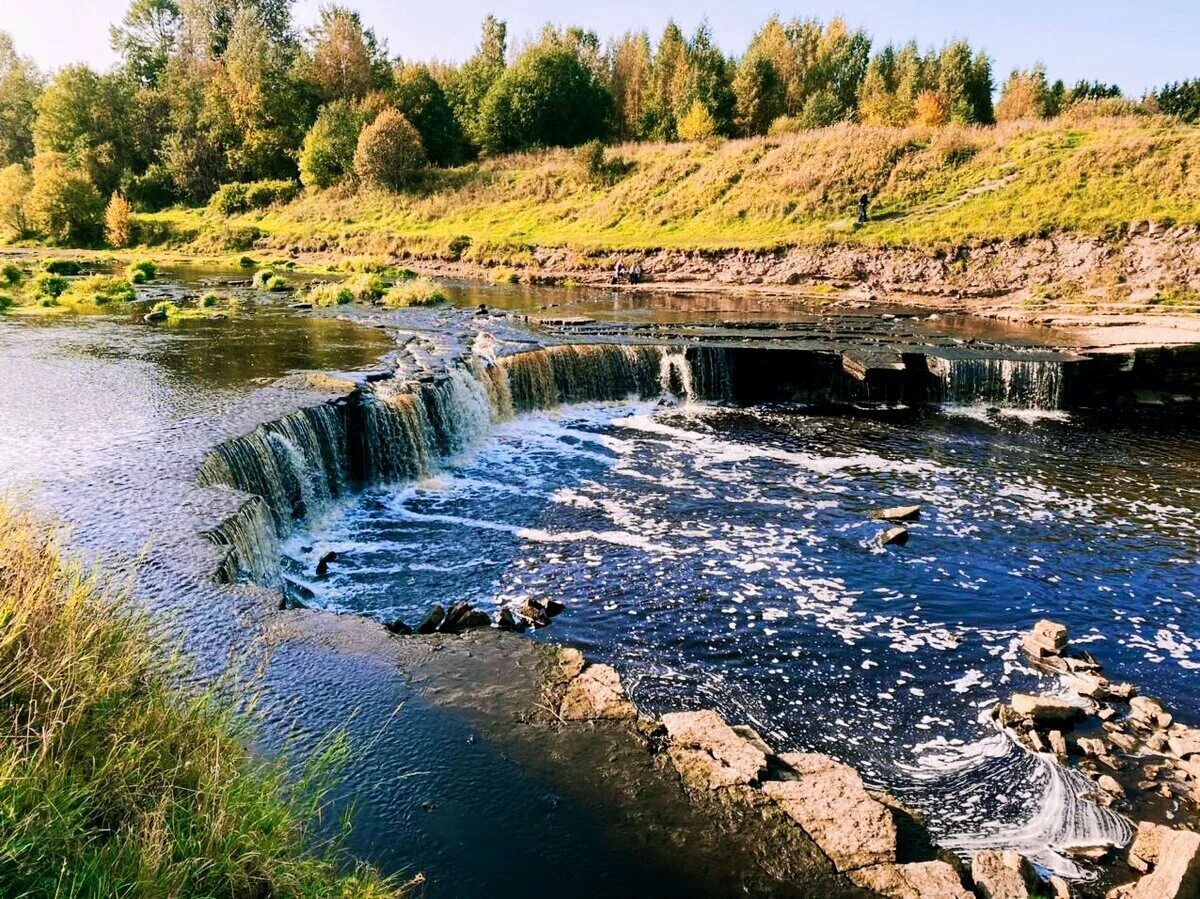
(399, 431)
(1018, 383)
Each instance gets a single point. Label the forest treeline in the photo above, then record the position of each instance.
(228, 102)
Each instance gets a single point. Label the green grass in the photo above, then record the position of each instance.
(418, 291)
(115, 784)
(928, 187)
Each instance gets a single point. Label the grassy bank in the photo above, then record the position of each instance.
(928, 187)
(114, 784)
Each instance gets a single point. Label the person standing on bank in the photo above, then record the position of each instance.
(862, 208)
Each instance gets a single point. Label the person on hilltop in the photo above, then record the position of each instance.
(862, 208)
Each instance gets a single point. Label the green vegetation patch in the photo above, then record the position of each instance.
(420, 291)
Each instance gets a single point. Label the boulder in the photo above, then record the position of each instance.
(506, 621)
(597, 693)
(898, 513)
(1002, 875)
(462, 617)
(1091, 746)
(830, 803)
(708, 753)
(1109, 785)
(896, 536)
(532, 612)
(1149, 713)
(1185, 743)
(1047, 708)
(1057, 743)
(1173, 858)
(553, 607)
(1059, 887)
(569, 664)
(323, 563)
(429, 624)
(1091, 685)
(919, 880)
(398, 627)
(1048, 638)
(751, 736)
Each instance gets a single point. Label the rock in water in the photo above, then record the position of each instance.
(1047, 708)
(596, 693)
(918, 880)
(323, 563)
(506, 621)
(896, 536)
(898, 513)
(833, 807)
(398, 627)
(1048, 638)
(1001, 875)
(708, 753)
(1173, 859)
(431, 621)
(553, 607)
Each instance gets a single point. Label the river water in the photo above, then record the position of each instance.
(719, 557)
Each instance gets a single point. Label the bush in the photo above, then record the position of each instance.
(150, 191)
(330, 295)
(15, 186)
(697, 124)
(367, 286)
(327, 156)
(98, 290)
(6, 303)
(269, 281)
(247, 262)
(209, 301)
(49, 286)
(142, 271)
(504, 276)
(11, 275)
(240, 196)
(63, 203)
(118, 222)
(547, 98)
(389, 154)
(62, 267)
(419, 291)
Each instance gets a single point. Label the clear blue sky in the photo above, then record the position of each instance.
(1138, 45)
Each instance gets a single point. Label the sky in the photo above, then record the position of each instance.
(1137, 45)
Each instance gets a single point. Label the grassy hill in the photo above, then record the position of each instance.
(927, 187)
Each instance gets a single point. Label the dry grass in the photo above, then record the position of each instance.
(927, 187)
(112, 783)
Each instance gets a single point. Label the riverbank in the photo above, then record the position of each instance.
(116, 782)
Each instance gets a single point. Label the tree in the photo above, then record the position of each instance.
(327, 156)
(760, 94)
(466, 87)
(704, 78)
(20, 85)
(389, 154)
(63, 203)
(627, 75)
(118, 222)
(208, 24)
(697, 123)
(1181, 98)
(87, 116)
(547, 99)
(15, 185)
(932, 109)
(146, 38)
(670, 58)
(1025, 95)
(346, 57)
(423, 102)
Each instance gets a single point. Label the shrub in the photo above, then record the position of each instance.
(63, 203)
(504, 276)
(330, 295)
(389, 154)
(590, 159)
(6, 303)
(241, 196)
(150, 191)
(210, 300)
(118, 222)
(11, 275)
(142, 271)
(247, 262)
(367, 286)
(62, 267)
(327, 156)
(419, 291)
(697, 123)
(49, 286)
(98, 290)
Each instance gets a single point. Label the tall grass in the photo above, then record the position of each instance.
(115, 784)
(927, 186)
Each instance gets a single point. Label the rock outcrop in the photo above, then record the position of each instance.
(1002, 875)
(709, 754)
(916, 880)
(828, 800)
(596, 694)
(1172, 858)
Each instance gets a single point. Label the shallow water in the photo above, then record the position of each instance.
(725, 558)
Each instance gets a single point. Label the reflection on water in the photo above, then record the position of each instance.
(726, 558)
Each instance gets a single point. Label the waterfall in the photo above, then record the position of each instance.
(1019, 383)
(395, 430)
